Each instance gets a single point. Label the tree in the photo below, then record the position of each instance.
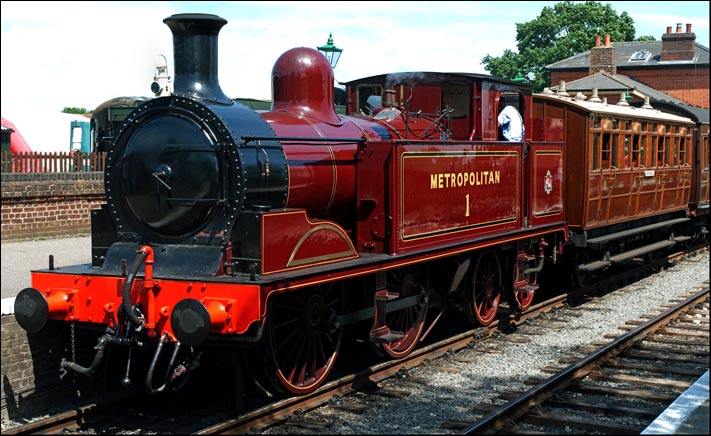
(75, 110)
(557, 33)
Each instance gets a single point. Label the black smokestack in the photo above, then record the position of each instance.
(195, 55)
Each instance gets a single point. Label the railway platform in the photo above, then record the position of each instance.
(688, 414)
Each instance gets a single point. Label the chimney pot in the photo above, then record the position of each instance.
(678, 27)
(607, 40)
(668, 29)
(597, 41)
(688, 28)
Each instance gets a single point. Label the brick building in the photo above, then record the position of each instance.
(676, 65)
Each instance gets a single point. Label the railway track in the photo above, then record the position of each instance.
(338, 394)
(367, 380)
(636, 375)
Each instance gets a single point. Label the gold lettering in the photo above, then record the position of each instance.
(458, 180)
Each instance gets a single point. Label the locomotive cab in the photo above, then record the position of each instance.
(466, 105)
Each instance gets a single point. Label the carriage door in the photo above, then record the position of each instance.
(661, 166)
(618, 181)
(645, 178)
(684, 190)
(670, 186)
(608, 158)
(595, 196)
(672, 181)
(637, 166)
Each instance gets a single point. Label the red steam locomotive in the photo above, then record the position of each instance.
(274, 231)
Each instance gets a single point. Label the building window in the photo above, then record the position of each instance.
(640, 56)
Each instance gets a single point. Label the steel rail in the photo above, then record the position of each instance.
(498, 419)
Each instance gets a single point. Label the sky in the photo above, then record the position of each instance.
(79, 54)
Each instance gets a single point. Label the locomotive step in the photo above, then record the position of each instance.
(622, 234)
(592, 266)
(627, 255)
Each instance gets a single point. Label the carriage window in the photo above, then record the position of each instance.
(660, 151)
(613, 150)
(606, 150)
(675, 152)
(626, 153)
(614, 123)
(682, 151)
(596, 151)
(641, 142)
(637, 151)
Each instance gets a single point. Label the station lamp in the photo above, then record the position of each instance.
(519, 77)
(331, 52)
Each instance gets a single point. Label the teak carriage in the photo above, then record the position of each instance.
(628, 176)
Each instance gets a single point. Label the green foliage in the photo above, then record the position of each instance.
(75, 110)
(559, 32)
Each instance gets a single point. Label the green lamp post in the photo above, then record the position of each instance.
(331, 52)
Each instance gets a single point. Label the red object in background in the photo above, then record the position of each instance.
(17, 142)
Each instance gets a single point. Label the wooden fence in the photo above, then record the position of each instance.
(56, 162)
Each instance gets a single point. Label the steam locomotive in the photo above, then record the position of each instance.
(265, 234)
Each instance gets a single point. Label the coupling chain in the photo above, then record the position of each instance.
(73, 342)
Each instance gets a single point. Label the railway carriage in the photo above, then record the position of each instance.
(628, 179)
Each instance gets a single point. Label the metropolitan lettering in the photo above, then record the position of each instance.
(458, 180)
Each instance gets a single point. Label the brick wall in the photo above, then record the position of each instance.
(688, 84)
(49, 205)
(44, 205)
(31, 382)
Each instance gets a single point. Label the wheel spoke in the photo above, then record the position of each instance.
(485, 291)
(409, 321)
(300, 349)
